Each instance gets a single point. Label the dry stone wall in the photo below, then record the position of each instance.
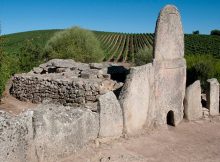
(66, 82)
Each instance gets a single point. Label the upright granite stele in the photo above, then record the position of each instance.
(213, 96)
(158, 101)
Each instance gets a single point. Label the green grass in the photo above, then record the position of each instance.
(118, 46)
(13, 42)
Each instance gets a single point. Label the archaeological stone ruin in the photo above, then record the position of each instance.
(78, 103)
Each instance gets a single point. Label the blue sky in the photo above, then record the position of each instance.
(130, 16)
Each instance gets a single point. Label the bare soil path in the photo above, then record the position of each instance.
(14, 106)
(197, 141)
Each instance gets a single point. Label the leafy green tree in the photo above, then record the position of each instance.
(74, 43)
(143, 56)
(30, 55)
(202, 67)
(215, 32)
(196, 32)
(5, 67)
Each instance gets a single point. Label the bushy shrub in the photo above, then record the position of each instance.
(74, 43)
(215, 32)
(7, 67)
(143, 56)
(202, 67)
(196, 32)
(30, 55)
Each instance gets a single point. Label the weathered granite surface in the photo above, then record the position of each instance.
(153, 94)
(169, 66)
(60, 131)
(46, 134)
(169, 37)
(111, 119)
(136, 98)
(213, 96)
(192, 102)
(16, 137)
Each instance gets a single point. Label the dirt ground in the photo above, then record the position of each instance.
(197, 141)
(14, 106)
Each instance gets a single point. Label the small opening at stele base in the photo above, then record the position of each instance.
(170, 118)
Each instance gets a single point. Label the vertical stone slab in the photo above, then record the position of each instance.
(111, 120)
(213, 96)
(192, 102)
(169, 66)
(135, 98)
(169, 36)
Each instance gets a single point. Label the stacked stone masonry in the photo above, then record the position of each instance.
(66, 82)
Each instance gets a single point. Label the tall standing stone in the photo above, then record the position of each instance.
(169, 66)
(136, 98)
(213, 96)
(192, 102)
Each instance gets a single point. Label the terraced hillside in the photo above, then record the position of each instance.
(119, 47)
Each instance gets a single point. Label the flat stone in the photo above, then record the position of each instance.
(60, 131)
(96, 65)
(111, 120)
(61, 63)
(37, 70)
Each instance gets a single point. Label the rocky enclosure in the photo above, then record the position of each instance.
(68, 82)
(102, 100)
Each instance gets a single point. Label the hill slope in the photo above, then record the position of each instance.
(120, 47)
